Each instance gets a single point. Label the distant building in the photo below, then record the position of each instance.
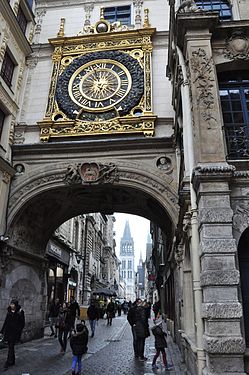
(127, 269)
(140, 279)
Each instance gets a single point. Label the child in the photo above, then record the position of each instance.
(78, 343)
(160, 345)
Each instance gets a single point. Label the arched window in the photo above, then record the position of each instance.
(234, 96)
(221, 6)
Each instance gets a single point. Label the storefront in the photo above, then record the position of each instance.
(57, 279)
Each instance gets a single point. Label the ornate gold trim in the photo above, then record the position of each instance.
(56, 129)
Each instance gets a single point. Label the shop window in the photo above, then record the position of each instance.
(22, 20)
(221, 6)
(121, 13)
(7, 69)
(2, 118)
(234, 97)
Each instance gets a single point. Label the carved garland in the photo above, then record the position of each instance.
(202, 67)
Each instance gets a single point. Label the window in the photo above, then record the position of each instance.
(123, 264)
(234, 96)
(129, 264)
(122, 14)
(221, 6)
(22, 20)
(7, 69)
(2, 117)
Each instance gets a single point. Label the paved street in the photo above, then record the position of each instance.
(110, 352)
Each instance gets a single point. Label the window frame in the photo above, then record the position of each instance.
(8, 77)
(114, 14)
(22, 19)
(2, 119)
(235, 106)
(220, 6)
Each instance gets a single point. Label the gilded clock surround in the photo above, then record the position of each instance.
(101, 84)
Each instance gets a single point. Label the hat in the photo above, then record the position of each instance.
(14, 302)
(79, 327)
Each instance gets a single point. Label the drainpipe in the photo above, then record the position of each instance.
(189, 154)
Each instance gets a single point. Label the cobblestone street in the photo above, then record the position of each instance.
(110, 352)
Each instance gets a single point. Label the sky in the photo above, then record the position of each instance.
(140, 228)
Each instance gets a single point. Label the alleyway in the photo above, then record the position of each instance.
(109, 353)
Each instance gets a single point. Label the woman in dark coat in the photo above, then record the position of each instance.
(12, 330)
(63, 324)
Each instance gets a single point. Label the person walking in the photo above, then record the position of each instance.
(12, 330)
(64, 325)
(110, 311)
(160, 345)
(53, 315)
(78, 343)
(73, 312)
(93, 316)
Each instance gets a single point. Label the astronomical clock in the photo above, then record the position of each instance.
(101, 82)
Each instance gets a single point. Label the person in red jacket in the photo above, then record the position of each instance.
(12, 330)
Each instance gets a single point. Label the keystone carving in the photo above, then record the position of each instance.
(237, 46)
(89, 173)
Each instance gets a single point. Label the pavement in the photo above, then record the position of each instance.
(110, 352)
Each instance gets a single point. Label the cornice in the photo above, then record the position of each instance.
(104, 144)
(16, 31)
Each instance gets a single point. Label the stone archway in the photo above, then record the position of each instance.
(58, 191)
(52, 191)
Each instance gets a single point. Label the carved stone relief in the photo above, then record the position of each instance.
(237, 46)
(202, 67)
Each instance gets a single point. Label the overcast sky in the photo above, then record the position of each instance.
(140, 228)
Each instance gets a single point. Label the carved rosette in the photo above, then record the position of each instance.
(237, 46)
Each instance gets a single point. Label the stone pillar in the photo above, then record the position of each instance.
(221, 309)
(207, 117)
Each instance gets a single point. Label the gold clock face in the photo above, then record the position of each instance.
(99, 85)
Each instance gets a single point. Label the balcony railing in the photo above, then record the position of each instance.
(237, 139)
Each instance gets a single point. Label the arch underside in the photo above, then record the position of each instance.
(38, 218)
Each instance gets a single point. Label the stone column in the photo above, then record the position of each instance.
(221, 309)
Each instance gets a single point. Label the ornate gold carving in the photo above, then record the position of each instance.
(146, 18)
(143, 124)
(138, 45)
(61, 31)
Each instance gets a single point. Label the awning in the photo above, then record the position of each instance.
(105, 292)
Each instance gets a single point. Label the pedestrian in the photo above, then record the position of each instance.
(160, 345)
(78, 343)
(119, 309)
(156, 309)
(93, 316)
(74, 312)
(137, 317)
(53, 315)
(64, 325)
(12, 330)
(110, 311)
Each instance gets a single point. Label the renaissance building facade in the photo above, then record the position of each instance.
(139, 107)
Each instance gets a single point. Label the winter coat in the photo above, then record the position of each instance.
(160, 337)
(138, 319)
(63, 321)
(54, 310)
(74, 309)
(78, 342)
(93, 312)
(13, 324)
